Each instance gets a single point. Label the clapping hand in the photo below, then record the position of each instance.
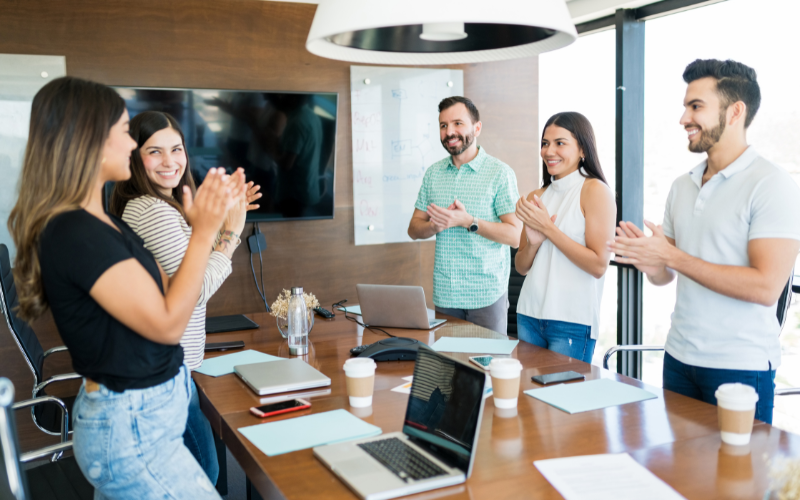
(453, 216)
(631, 246)
(532, 214)
(219, 193)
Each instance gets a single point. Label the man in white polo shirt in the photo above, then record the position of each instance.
(731, 231)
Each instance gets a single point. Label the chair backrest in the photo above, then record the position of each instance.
(13, 483)
(784, 301)
(22, 332)
(515, 281)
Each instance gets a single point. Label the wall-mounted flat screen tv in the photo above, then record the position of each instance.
(285, 141)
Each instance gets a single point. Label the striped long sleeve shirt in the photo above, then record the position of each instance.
(166, 234)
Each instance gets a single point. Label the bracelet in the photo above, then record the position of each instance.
(231, 237)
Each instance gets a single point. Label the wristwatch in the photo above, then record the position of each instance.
(473, 228)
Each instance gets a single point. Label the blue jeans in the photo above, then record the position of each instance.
(570, 339)
(129, 445)
(701, 383)
(199, 439)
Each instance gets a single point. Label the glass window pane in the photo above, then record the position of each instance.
(772, 133)
(581, 77)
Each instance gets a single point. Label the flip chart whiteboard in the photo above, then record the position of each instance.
(395, 119)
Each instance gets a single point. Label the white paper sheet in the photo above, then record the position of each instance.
(604, 477)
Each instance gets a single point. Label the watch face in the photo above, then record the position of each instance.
(473, 228)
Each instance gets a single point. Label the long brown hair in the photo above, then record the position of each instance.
(143, 126)
(579, 126)
(70, 122)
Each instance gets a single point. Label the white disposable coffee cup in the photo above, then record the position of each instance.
(360, 378)
(505, 374)
(736, 408)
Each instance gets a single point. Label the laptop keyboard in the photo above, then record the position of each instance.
(406, 462)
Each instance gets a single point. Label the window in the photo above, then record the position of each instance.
(581, 77)
(707, 33)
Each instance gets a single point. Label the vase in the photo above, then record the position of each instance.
(283, 325)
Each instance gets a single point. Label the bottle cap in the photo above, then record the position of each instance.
(297, 290)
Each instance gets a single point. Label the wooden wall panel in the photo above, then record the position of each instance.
(250, 44)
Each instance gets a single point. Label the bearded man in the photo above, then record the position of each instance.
(731, 232)
(468, 200)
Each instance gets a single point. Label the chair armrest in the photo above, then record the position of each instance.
(49, 399)
(54, 449)
(637, 348)
(61, 348)
(790, 391)
(55, 378)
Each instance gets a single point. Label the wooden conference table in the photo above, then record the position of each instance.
(675, 437)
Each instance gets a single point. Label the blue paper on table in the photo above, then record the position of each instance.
(591, 395)
(223, 365)
(356, 309)
(277, 438)
(474, 345)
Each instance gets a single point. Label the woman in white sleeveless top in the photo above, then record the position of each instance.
(563, 245)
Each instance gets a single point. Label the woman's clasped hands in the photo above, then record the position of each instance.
(537, 221)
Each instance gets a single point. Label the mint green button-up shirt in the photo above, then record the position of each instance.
(470, 271)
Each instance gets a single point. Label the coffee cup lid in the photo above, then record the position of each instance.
(737, 391)
(505, 364)
(359, 364)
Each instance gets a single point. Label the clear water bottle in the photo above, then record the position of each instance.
(297, 318)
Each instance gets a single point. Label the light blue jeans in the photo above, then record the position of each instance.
(570, 339)
(129, 445)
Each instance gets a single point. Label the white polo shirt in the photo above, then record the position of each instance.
(752, 198)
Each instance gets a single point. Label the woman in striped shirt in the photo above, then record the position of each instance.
(150, 202)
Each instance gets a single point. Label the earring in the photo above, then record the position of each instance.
(582, 159)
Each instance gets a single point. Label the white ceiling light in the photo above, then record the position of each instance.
(438, 31)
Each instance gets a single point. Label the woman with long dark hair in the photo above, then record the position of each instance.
(150, 202)
(117, 311)
(565, 255)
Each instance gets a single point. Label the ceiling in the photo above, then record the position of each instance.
(581, 10)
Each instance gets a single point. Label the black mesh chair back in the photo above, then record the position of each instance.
(46, 417)
(21, 331)
(515, 281)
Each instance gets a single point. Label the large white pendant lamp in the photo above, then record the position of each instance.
(419, 32)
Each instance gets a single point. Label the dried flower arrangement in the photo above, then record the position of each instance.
(785, 476)
(280, 307)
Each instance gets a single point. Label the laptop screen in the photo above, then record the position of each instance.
(444, 408)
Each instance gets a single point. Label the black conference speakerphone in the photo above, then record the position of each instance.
(391, 349)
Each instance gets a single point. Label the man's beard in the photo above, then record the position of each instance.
(708, 138)
(466, 142)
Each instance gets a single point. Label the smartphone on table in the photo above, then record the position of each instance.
(554, 378)
(482, 361)
(279, 408)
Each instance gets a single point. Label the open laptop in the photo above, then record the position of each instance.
(395, 307)
(437, 445)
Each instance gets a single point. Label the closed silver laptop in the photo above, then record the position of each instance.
(395, 307)
(271, 377)
(439, 439)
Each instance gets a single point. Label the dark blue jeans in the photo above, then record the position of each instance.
(199, 439)
(701, 383)
(569, 339)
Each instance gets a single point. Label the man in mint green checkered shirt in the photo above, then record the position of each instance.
(468, 201)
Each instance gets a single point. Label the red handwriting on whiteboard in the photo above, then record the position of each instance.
(367, 210)
(367, 121)
(362, 179)
(364, 145)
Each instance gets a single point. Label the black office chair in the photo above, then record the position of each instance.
(515, 281)
(46, 417)
(784, 301)
(60, 480)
